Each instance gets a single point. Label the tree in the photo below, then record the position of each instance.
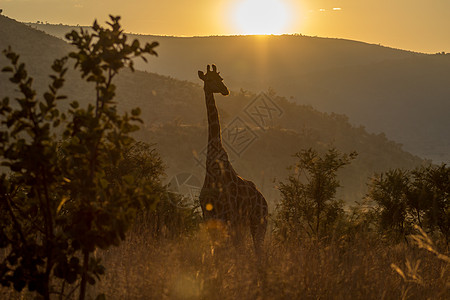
(59, 202)
(308, 201)
(433, 182)
(407, 198)
(389, 191)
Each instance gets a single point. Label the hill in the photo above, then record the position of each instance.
(175, 119)
(255, 60)
(402, 93)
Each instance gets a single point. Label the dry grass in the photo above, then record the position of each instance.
(189, 268)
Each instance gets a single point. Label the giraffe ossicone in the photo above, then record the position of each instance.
(225, 196)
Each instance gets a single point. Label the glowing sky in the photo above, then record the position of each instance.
(420, 25)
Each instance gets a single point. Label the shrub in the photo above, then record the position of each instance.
(420, 197)
(308, 205)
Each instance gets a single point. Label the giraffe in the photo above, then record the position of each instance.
(225, 196)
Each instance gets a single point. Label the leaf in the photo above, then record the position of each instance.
(90, 280)
(136, 112)
(135, 45)
(74, 104)
(42, 107)
(399, 271)
(103, 183)
(58, 83)
(7, 69)
(48, 97)
(60, 205)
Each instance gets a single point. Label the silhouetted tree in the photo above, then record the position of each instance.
(308, 201)
(58, 201)
(407, 198)
(389, 191)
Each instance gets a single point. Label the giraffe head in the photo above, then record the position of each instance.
(213, 81)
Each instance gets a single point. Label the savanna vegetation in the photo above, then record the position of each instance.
(85, 214)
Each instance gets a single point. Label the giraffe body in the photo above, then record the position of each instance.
(225, 196)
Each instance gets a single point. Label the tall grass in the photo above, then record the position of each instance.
(191, 267)
(342, 268)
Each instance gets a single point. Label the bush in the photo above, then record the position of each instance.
(420, 197)
(308, 205)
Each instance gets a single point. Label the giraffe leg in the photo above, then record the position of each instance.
(258, 231)
(258, 226)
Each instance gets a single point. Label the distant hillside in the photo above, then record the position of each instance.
(175, 119)
(255, 60)
(402, 93)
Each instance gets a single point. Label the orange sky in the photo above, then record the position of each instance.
(419, 25)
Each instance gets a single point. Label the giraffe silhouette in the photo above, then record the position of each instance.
(225, 196)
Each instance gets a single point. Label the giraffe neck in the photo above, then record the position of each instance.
(215, 147)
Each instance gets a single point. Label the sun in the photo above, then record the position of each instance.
(261, 16)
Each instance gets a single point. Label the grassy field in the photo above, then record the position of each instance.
(191, 267)
(345, 268)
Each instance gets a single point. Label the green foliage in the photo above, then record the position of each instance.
(142, 164)
(62, 200)
(164, 214)
(405, 199)
(308, 203)
(389, 192)
(174, 216)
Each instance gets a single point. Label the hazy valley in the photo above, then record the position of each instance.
(401, 93)
(175, 117)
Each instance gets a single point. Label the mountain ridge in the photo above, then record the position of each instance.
(175, 120)
(399, 92)
(59, 31)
